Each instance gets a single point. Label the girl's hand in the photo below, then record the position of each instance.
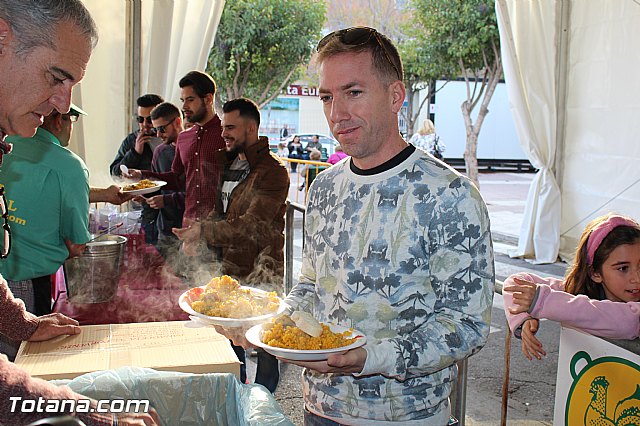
(523, 294)
(531, 346)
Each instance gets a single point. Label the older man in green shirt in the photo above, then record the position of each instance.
(47, 189)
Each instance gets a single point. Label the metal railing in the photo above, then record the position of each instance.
(300, 179)
(289, 230)
(459, 390)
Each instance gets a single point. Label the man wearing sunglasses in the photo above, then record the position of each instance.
(167, 122)
(42, 171)
(136, 152)
(397, 246)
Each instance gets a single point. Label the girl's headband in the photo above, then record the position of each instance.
(602, 230)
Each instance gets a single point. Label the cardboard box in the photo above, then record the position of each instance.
(169, 346)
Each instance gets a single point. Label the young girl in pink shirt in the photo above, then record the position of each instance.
(601, 292)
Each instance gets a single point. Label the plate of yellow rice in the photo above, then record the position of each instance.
(286, 342)
(224, 302)
(145, 186)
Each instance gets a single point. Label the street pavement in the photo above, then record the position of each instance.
(532, 383)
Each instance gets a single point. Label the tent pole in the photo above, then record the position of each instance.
(133, 60)
(562, 39)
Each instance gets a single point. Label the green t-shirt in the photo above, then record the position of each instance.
(47, 190)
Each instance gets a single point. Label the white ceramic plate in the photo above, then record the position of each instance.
(159, 184)
(185, 305)
(254, 337)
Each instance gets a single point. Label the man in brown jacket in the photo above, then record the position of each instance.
(246, 227)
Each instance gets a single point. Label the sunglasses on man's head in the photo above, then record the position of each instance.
(163, 128)
(140, 119)
(356, 36)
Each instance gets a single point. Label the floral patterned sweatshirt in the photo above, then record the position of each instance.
(403, 255)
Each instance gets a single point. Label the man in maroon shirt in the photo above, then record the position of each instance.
(195, 149)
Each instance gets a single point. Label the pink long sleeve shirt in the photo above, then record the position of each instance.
(603, 318)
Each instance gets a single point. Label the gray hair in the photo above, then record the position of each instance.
(33, 21)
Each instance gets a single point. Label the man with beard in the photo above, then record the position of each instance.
(247, 225)
(45, 46)
(167, 121)
(195, 148)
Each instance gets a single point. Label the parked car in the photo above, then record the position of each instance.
(328, 143)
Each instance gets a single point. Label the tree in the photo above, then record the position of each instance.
(384, 15)
(261, 45)
(464, 33)
(420, 73)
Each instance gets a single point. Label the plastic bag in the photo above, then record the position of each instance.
(184, 398)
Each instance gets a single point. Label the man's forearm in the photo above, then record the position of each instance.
(111, 195)
(97, 195)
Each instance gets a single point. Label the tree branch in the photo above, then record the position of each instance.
(246, 74)
(236, 76)
(278, 91)
(483, 85)
(265, 93)
(463, 70)
(494, 79)
(491, 87)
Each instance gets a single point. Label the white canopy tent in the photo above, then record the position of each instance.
(144, 47)
(570, 67)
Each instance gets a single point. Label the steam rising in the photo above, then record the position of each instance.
(149, 287)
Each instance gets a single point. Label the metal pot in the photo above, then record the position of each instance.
(93, 277)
